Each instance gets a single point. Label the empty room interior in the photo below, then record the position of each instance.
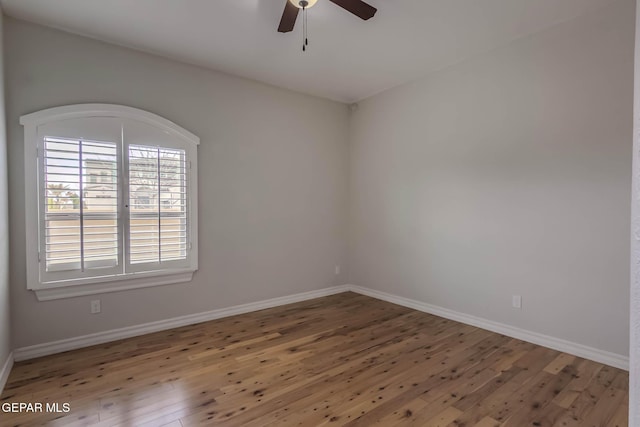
(323, 212)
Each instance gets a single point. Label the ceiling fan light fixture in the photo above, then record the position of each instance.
(301, 3)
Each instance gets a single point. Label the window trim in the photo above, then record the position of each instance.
(95, 285)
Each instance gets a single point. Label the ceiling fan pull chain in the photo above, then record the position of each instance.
(304, 28)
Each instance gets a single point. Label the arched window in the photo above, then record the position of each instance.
(111, 200)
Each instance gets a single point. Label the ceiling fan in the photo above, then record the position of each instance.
(292, 7)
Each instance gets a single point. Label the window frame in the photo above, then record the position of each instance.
(34, 214)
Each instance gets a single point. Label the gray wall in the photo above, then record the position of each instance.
(272, 179)
(507, 174)
(5, 324)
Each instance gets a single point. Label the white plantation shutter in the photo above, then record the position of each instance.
(112, 199)
(157, 204)
(80, 212)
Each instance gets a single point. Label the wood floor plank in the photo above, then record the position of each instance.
(536, 405)
(620, 417)
(342, 360)
(604, 410)
(587, 370)
(576, 414)
(443, 418)
(559, 363)
(487, 422)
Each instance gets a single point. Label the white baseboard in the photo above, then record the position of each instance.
(601, 356)
(5, 371)
(31, 352)
(597, 355)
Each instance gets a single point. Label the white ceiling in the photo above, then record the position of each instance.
(348, 59)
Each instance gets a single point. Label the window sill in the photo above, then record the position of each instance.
(57, 291)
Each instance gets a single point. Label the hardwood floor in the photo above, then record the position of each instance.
(341, 360)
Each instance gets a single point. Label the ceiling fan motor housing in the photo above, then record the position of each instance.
(303, 4)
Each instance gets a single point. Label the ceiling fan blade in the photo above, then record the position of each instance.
(357, 7)
(288, 18)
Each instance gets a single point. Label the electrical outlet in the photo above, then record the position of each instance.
(516, 301)
(95, 306)
(337, 270)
